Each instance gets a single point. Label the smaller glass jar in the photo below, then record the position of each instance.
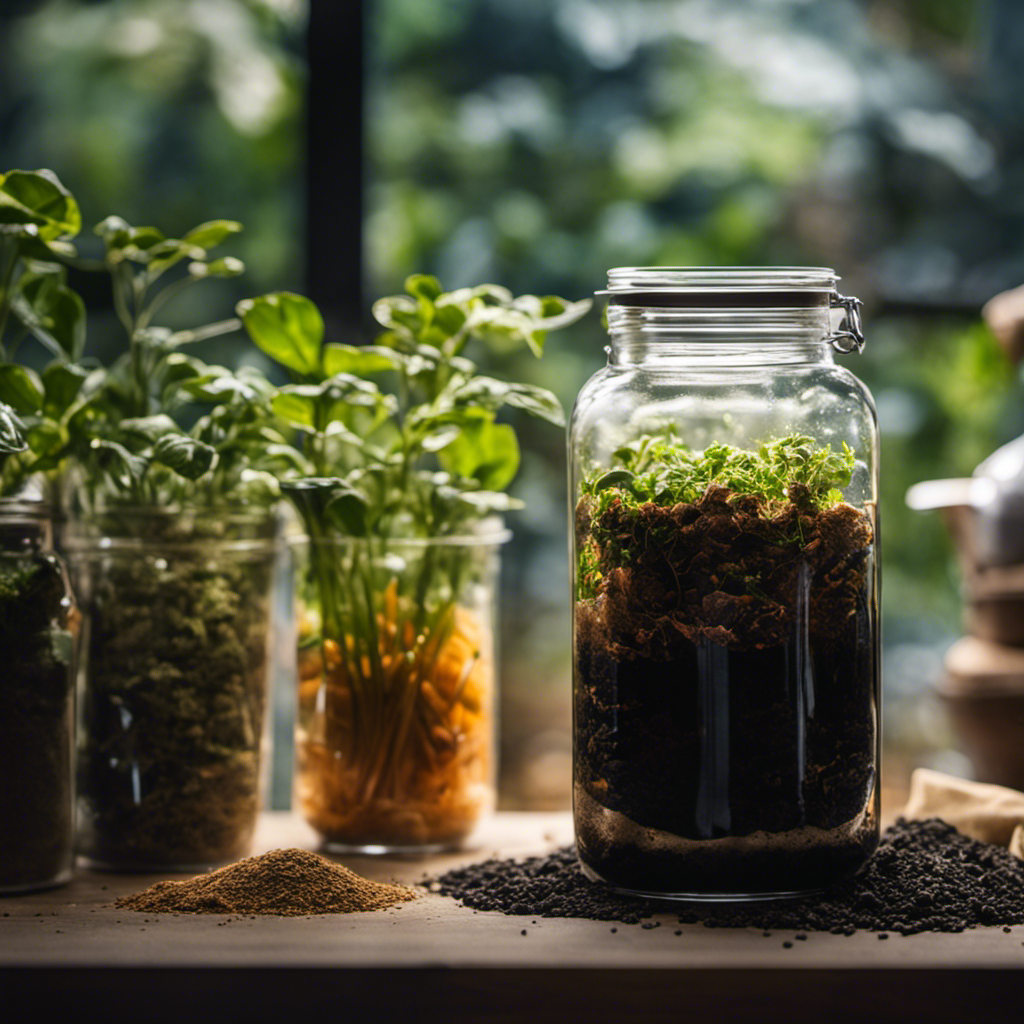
(395, 740)
(726, 645)
(173, 677)
(36, 702)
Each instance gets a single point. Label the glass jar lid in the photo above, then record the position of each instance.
(742, 287)
(777, 288)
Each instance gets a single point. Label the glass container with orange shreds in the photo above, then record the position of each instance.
(395, 741)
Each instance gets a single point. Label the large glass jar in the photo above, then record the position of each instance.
(173, 679)
(726, 646)
(36, 703)
(397, 690)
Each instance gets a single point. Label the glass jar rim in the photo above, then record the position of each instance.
(491, 538)
(92, 531)
(716, 287)
(25, 509)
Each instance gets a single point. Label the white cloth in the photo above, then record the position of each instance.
(993, 814)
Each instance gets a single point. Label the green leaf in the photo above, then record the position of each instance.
(348, 510)
(449, 317)
(537, 402)
(227, 266)
(164, 255)
(125, 469)
(423, 286)
(12, 438)
(61, 384)
(212, 233)
(55, 315)
(490, 393)
(35, 248)
(321, 500)
(615, 478)
(486, 452)
(337, 429)
(185, 455)
(21, 388)
(39, 198)
(220, 387)
(45, 440)
(524, 319)
(483, 502)
(360, 360)
(142, 241)
(147, 429)
(400, 314)
(115, 231)
(296, 410)
(287, 328)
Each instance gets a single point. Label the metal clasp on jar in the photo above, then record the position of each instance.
(849, 337)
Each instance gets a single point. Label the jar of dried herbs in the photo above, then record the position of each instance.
(397, 689)
(726, 680)
(175, 660)
(36, 702)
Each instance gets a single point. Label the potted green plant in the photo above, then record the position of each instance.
(400, 491)
(172, 539)
(38, 217)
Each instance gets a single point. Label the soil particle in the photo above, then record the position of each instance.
(969, 884)
(284, 883)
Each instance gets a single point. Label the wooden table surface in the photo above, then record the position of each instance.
(434, 960)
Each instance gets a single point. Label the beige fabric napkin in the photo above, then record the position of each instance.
(993, 814)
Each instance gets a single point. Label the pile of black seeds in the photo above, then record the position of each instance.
(925, 877)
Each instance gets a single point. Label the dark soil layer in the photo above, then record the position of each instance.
(925, 876)
(36, 722)
(173, 710)
(726, 689)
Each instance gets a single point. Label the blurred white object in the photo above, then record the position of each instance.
(995, 494)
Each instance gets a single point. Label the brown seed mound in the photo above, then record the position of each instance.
(286, 883)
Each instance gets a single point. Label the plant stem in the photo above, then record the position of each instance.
(5, 289)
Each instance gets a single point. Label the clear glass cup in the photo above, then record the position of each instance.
(173, 680)
(395, 737)
(726, 642)
(36, 702)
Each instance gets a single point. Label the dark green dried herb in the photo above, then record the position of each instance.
(36, 717)
(174, 708)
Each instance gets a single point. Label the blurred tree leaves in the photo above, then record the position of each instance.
(165, 110)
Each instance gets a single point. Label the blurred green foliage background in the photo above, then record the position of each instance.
(537, 144)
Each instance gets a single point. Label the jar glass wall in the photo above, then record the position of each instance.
(395, 740)
(724, 484)
(36, 703)
(173, 680)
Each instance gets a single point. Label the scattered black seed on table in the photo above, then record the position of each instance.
(787, 945)
(926, 876)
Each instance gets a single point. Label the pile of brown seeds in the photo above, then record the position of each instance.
(926, 876)
(286, 883)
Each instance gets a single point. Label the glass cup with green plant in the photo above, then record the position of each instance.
(173, 542)
(38, 219)
(400, 495)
